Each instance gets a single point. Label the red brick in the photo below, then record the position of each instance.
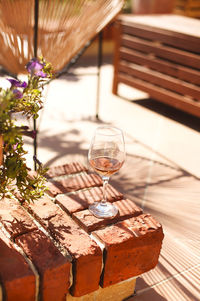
(65, 169)
(73, 183)
(80, 201)
(89, 222)
(52, 266)
(17, 278)
(132, 248)
(86, 254)
(43, 209)
(15, 218)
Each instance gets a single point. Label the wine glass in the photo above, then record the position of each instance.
(106, 156)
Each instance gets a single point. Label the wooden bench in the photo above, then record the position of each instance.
(159, 54)
(190, 8)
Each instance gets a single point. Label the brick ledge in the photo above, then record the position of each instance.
(130, 243)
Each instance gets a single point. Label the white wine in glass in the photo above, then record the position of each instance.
(106, 156)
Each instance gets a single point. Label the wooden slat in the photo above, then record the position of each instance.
(160, 94)
(173, 40)
(150, 34)
(160, 80)
(187, 4)
(193, 13)
(190, 8)
(172, 69)
(181, 3)
(172, 54)
(154, 57)
(166, 23)
(179, 31)
(193, 4)
(179, 11)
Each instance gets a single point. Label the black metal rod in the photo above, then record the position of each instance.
(99, 63)
(36, 15)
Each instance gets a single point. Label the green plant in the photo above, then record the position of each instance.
(26, 98)
(127, 6)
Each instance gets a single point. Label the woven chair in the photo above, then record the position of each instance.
(64, 27)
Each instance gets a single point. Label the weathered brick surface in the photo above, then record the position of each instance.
(132, 248)
(80, 201)
(131, 240)
(52, 266)
(73, 183)
(86, 254)
(66, 169)
(89, 222)
(14, 218)
(17, 278)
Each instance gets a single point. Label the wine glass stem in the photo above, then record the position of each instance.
(105, 183)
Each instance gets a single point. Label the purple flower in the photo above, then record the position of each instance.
(15, 146)
(18, 94)
(34, 67)
(41, 74)
(17, 83)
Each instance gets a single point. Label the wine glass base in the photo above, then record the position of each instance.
(103, 210)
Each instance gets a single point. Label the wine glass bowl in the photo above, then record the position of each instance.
(106, 156)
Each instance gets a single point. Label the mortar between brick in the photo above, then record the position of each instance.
(100, 243)
(66, 169)
(52, 266)
(38, 226)
(48, 218)
(73, 192)
(78, 182)
(33, 268)
(63, 251)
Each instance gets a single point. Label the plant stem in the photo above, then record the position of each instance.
(1, 150)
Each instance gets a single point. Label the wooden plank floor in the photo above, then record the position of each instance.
(161, 171)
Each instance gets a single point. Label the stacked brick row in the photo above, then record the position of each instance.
(55, 247)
